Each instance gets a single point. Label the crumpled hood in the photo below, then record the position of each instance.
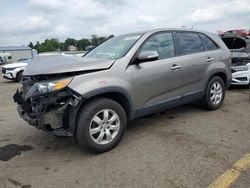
(55, 64)
(15, 65)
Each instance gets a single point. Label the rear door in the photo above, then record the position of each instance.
(195, 61)
(157, 82)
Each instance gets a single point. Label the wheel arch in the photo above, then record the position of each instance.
(17, 74)
(222, 74)
(115, 93)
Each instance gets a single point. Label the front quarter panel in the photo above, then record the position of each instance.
(116, 79)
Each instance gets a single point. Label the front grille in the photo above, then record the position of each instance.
(240, 62)
(3, 70)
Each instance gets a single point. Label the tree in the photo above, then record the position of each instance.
(31, 45)
(94, 40)
(110, 36)
(50, 45)
(68, 42)
(82, 44)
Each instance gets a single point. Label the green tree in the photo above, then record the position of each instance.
(31, 45)
(68, 42)
(94, 40)
(110, 36)
(50, 45)
(82, 44)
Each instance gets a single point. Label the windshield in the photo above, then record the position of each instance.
(240, 55)
(114, 48)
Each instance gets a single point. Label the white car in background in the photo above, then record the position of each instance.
(15, 70)
(240, 68)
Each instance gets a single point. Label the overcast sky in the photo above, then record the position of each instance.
(22, 21)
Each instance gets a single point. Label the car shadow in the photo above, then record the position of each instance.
(238, 87)
(49, 143)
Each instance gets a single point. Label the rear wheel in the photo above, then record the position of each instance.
(214, 94)
(19, 76)
(101, 125)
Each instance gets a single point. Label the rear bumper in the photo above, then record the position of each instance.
(47, 113)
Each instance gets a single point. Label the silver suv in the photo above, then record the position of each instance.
(126, 77)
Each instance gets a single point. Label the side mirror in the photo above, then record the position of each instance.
(148, 56)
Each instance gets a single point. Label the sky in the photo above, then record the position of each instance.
(22, 21)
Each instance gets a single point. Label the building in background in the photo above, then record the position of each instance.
(72, 48)
(9, 54)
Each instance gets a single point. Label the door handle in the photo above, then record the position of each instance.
(175, 67)
(209, 59)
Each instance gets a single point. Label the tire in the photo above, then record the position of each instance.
(214, 94)
(19, 76)
(88, 121)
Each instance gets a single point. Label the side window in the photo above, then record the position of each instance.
(162, 43)
(209, 44)
(188, 43)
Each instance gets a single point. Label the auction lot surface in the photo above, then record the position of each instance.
(184, 147)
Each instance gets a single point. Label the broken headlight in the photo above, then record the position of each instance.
(45, 87)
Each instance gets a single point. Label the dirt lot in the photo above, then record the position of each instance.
(184, 147)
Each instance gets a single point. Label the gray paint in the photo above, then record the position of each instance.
(54, 64)
(148, 84)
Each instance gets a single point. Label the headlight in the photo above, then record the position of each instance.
(45, 87)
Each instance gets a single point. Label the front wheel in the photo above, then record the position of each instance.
(214, 94)
(101, 125)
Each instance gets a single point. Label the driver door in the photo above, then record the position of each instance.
(157, 83)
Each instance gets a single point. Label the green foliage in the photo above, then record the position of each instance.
(50, 45)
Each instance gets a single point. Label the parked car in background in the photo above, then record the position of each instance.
(240, 68)
(15, 70)
(126, 77)
(1, 61)
(236, 32)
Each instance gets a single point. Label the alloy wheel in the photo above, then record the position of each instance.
(216, 93)
(104, 126)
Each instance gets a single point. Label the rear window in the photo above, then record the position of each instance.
(209, 44)
(188, 43)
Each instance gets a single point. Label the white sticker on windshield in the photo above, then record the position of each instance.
(132, 37)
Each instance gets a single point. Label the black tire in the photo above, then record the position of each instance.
(85, 115)
(19, 76)
(206, 101)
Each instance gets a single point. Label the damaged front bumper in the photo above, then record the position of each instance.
(54, 112)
